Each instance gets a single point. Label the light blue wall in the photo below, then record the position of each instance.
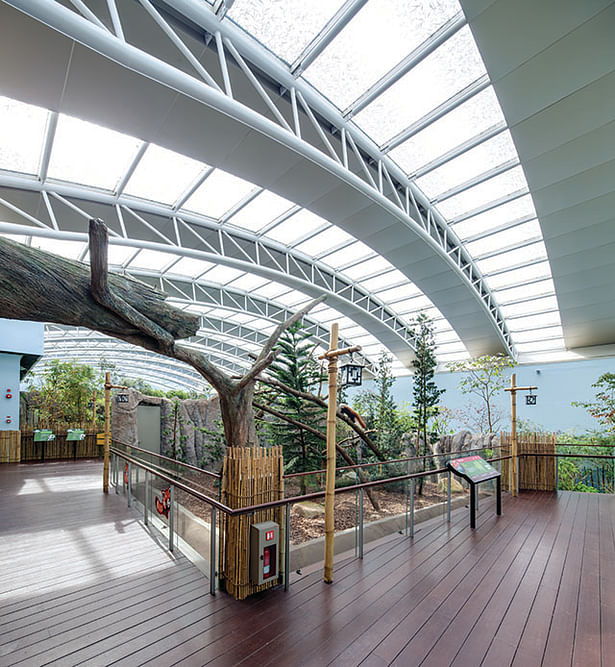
(21, 337)
(558, 385)
(9, 379)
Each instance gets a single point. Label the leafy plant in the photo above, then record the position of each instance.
(483, 378)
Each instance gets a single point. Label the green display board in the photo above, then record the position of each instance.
(473, 468)
(43, 435)
(75, 434)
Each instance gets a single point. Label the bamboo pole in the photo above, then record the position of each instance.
(107, 432)
(94, 410)
(513, 434)
(330, 478)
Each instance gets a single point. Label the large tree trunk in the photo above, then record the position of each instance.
(37, 285)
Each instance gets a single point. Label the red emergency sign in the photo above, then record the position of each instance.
(269, 535)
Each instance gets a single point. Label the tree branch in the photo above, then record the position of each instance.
(99, 241)
(281, 328)
(256, 370)
(320, 401)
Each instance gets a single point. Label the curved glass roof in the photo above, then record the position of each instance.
(420, 92)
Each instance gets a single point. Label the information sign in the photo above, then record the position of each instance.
(75, 434)
(122, 398)
(473, 468)
(43, 435)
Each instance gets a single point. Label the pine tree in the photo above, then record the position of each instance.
(379, 410)
(296, 367)
(425, 392)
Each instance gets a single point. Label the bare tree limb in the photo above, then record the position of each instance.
(257, 368)
(99, 288)
(340, 450)
(281, 328)
(320, 401)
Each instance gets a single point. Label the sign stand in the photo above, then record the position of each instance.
(475, 470)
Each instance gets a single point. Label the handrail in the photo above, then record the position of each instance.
(168, 458)
(392, 461)
(569, 456)
(284, 501)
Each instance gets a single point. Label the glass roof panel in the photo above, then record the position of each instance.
(516, 276)
(222, 274)
(270, 290)
(348, 254)
(470, 164)
(505, 260)
(90, 154)
(525, 291)
(68, 249)
(262, 210)
(22, 134)
(538, 346)
(520, 207)
(367, 268)
(527, 231)
(296, 227)
(522, 308)
(149, 258)
(119, 254)
(538, 334)
(329, 238)
(287, 27)
(387, 280)
(163, 175)
(191, 267)
(220, 192)
(413, 305)
(397, 293)
(454, 128)
(374, 41)
(550, 319)
(507, 183)
(248, 282)
(451, 67)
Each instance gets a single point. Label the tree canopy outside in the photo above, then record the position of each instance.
(483, 378)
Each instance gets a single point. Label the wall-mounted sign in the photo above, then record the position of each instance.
(122, 398)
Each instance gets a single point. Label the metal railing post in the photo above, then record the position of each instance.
(448, 502)
(145, 496)
(556, 472)
(287, 547)
(412, 507)
(360, 523)
(129, 483)
(171, 515)
(212, 552)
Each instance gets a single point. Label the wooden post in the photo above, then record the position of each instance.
(107, 445)
(330, 479)
(94, 411)
(513, 389)
(107, 432)
(331, 355)
(513, 434)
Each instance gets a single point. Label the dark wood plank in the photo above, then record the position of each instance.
(607, 576)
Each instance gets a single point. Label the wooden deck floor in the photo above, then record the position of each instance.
(82, 582)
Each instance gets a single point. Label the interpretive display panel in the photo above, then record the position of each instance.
(473, 469)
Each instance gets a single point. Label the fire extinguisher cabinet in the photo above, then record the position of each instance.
(264, 552)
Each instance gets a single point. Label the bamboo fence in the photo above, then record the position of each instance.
(60, 447)
(536, 473)
(251, 476)
(10, 446)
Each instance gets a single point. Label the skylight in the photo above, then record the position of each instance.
(296, 227)
(472, 163)
(163, 176)
(325, 240)
(90, 154)
(286, 28)
(468, 120)
(374, 41)
(22, 133)
(218, 194)
(451, 67)
(261, 211)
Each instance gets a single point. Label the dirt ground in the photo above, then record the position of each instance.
(391, 503)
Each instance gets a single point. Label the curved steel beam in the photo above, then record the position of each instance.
(411, 209)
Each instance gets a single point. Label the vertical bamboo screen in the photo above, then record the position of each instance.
(251, 476)
(10, 446)
(536, 473)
